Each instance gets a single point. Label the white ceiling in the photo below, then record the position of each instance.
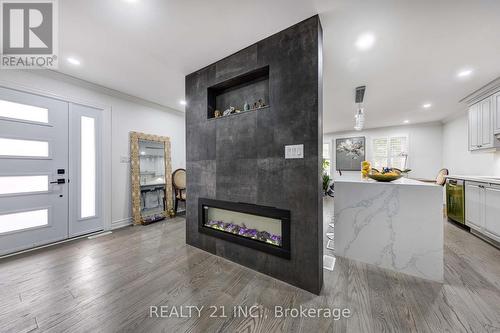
(146, 47)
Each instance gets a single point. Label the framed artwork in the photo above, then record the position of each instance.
(349, 153)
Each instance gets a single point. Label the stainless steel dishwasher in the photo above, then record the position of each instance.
(455, 200)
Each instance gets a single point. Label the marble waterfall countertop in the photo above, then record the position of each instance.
(349, 178)
(396, 225)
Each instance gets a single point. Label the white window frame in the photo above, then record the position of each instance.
(25, 210)
(389, 153)
(19, 174)
(25, 121)
(329, 143)
(21, 157)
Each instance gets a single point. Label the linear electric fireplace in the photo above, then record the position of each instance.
(259, 227)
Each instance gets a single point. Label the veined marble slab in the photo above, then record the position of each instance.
(397, 225)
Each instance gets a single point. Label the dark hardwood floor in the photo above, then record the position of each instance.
(109, 283)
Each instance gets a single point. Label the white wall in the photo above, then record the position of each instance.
(122, 114)
(134, 117)
(425, 146)
(457, 156)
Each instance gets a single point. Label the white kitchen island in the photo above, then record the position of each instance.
(396, 225)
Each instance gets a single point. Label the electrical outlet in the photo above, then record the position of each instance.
(124, 159)
(294, 151)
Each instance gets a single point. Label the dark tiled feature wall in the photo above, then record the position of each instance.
(241, 158)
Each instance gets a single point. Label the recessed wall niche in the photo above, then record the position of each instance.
(251, 88)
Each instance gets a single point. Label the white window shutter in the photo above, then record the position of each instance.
(326, 156)
(326, 150)
(398, 151)
(380, 153)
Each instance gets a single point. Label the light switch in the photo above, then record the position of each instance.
(294, 151)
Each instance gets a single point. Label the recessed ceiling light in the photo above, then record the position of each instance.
(465, 73)
(427, 105)
(365, 41)
(406, 122)
(73, 61)
(182, 102)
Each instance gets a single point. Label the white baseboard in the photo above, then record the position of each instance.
(121, 223)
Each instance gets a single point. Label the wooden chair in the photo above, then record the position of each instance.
(440, 178)
(179, 183)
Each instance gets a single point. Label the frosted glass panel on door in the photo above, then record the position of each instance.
(23, 112)
(23, 184)
(23, 220)
(88, 167)
(23, 148)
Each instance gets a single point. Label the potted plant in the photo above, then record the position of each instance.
(326, 177)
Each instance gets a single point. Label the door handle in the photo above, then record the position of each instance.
(59, 181)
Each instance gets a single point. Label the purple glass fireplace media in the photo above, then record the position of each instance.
(242, 230)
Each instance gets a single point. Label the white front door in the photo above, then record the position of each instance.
(33, 170)
(50, 170)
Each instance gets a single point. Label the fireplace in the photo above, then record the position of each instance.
(262, 228)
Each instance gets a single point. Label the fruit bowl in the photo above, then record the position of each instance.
(385, 177)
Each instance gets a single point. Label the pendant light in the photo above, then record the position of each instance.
(360, 119)
(360, 114)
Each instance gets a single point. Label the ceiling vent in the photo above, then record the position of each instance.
(360, 94)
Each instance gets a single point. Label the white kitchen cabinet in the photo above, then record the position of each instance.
(474, 205)
(482, 208)
(481, 123)
(474, 127)
(496, 113)
(492, 211)
(486, 124)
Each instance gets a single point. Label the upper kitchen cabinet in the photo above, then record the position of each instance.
(496, 113)
(484, 117)
(486, 135)
(482, 121)
(473, 127)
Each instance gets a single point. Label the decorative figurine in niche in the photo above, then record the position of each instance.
(217, 114)
(229, 111)
(262, 103)
(246, 106)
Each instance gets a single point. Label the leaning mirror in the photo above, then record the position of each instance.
(151, 180)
